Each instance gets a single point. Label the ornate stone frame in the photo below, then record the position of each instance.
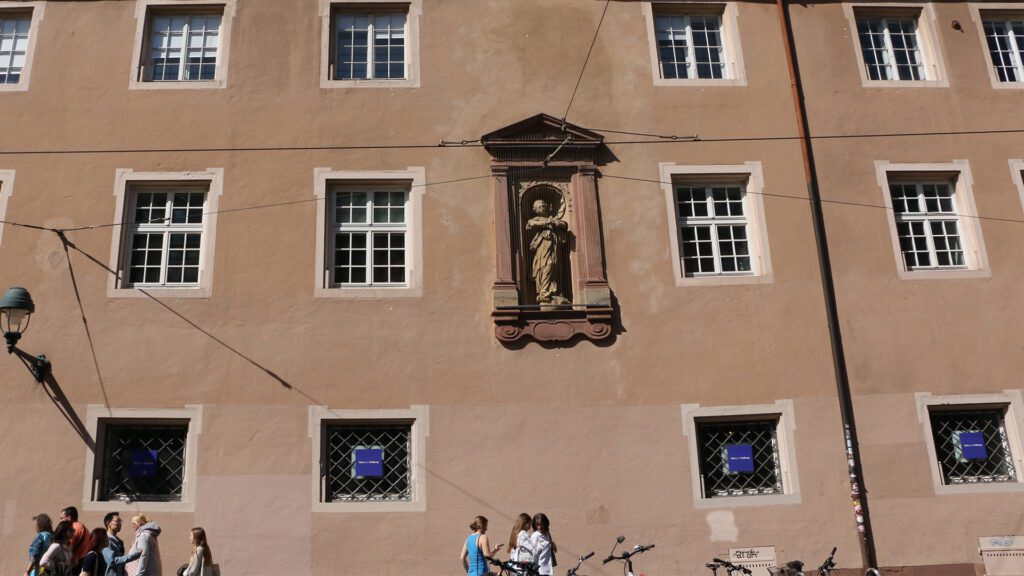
(545, 151)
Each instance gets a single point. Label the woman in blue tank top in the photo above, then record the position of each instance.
(476, 548)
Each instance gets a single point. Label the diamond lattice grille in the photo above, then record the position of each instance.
(342, 484)
(766, 477)
(165, 484)
(960, 468)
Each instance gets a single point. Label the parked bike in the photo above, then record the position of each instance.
(730, 568)
(511, 568)
(573, 571)
(796, 567)
(626, 556)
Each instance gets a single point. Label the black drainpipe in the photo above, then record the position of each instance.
(857, 490)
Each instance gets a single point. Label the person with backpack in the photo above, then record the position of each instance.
(201, 562)
(59, 560)
(520, 548)
(113, 554)
(40, 544)
(93, 563)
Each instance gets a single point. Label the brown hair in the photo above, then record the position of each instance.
(43, 523)
(522, 523)
(62, 533)
(98, 540)
(199, 539)
(542, 525)
(479, 523)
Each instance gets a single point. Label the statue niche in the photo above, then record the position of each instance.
(547, 244)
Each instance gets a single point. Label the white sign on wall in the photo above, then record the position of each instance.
(757, 558)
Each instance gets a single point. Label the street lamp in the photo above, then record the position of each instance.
(16, 308)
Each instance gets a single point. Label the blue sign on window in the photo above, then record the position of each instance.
(142, 464)
(369, 462)
(972, 446)
(739, 458)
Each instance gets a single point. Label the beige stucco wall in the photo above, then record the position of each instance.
(589, 434)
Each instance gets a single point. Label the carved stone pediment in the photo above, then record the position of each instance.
(550, 281)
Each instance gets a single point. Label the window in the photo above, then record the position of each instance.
(142, 455)
(694, 43)
(934, 226)
(742, 455)
(368, 233)
(19, 22)
(370, 44)
(368, 242)
(974, 441)
(165, 245)
(1004, 36)
(369, 460)
(896, 46)
(182, 44)
(717, 227)
(972, 445)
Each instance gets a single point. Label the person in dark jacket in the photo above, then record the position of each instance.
(113, 554)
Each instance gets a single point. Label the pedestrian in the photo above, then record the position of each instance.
(147, 546)
(93, 563)
(59, 560)
(477, 548)
(201, 562)
(40, 544)
(113, 554)
(520, 549)
(543, 546)
(79, 539)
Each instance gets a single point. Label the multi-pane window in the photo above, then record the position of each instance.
(165, 237)
(690, 45)
(891, 48)
(14, 29)
(368, 46)
(972, 445)
(713, 230)
(927, 225)
(142, 461)
(1005, 37)
(367, 462)
(739, 458)
(182, 46)
(368, 237)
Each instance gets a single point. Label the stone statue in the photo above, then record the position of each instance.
(548, 235)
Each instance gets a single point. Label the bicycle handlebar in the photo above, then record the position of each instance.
(639, 549)
(730, 566)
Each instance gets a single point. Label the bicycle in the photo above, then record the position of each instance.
(626, 557)
(796, 567)
(511, 568)
(730, 568)
(573, 571)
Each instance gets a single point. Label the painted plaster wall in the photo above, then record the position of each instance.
(605, 453)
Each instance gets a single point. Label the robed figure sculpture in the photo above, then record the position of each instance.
(548, 235)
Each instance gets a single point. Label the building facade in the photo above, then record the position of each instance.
(276, 307)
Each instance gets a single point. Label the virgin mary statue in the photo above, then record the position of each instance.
(548, 233)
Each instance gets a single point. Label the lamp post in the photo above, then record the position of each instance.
(16, 309)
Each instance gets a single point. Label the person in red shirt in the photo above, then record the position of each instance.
(79, 538)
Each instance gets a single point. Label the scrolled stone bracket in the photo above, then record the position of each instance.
(594, 323)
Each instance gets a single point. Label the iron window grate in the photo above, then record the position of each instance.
(962, 464)
(714, 440)
(341, 482)
(129, 470)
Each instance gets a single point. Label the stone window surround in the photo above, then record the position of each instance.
(967, 217)
(36, 8)
(419, 415)
(781, 409)
(123, 179)
(6, 191)
(977, 14)
(191, 412)
(412, 45)
(142, 17)
(752, 176)
(1012, 400)
(415, 177)
(730, 39)
(1016, 172)
(931, 48)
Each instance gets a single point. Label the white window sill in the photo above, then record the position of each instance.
(723, 280)
(747, 501)
(159, 292)
(980, 488)
(137, 506)
(19, 86)
(357, 507)
(178, 85)
(1007, 85)
(950, 274)
(403, 83)
(703, 82)
(904, 83)
(369, 292)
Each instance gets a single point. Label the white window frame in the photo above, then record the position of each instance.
(411, 180)
(23, 8)
(6, 191)
(784, 413)
(924, 14)
(958, 175)
(419, 415)
(1011, 400)
(750, 177)
(144, 11)
(734, 69)
(212, 181)
(369, 229)
(327, 9)
(193, 413)
(985, 11)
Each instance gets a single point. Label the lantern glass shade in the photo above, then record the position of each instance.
(15, 320)
(16, 307)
